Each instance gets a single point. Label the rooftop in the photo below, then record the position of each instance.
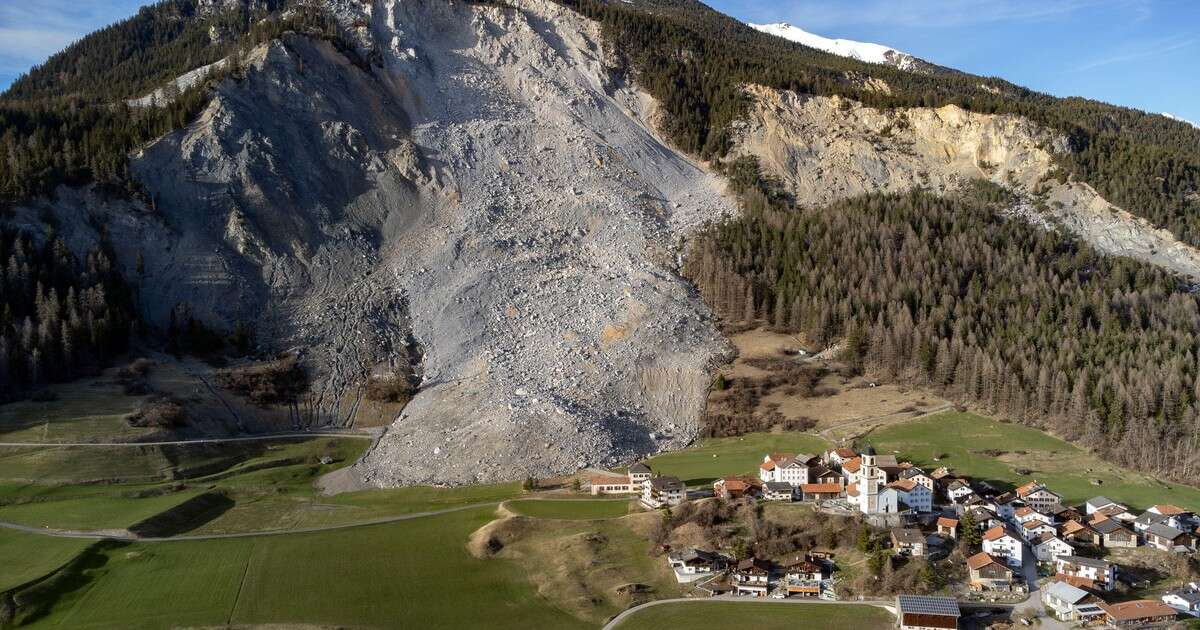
(1086, 562)
(1066, 592)
(926, 605)
(1138, 609)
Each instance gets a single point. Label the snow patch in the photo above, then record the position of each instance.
(863, 51)
(1182, 120)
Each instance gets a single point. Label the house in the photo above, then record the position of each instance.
(607, 484)
(838, 456)
(1177, 517)
(639, 473)
(1002, 543)
(752, 577)
(984, 518)
(1148, 518)
(958, 489)
(692, 563)
(802, 577)
(909, 542)
(1117, 511)
(779, 491)
(820, 474)
(1114, 534)
(919, 476)
(1166, 538)
(629, 483)
(1047, 547)
(785, 467)
(919, 612)
(947, 527)
(1064, 602)
(850, 470)
(1034, 528)
(1074, 532)
(1038, 496)
(1025, 514)
(820, 491)
(663, 491)
(1102, 573)
(1139, 613)
(737, 487)
(1094, 504)
(988, 574)
(1184, 600)
(914, 495)
(1006, 505)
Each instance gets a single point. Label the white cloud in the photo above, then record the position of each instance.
(1141, 50)
(31, 31)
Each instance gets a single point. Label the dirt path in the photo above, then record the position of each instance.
(894, 418)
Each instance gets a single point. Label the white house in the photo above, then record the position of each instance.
(1034, 528)
(919, 476)
(1067, 602)
(1186, 601)
(639, 473)
(958, 490)
(663, 491)
(999, 542)
(1177, 517)
(692, 564)
(1025, 514)
(837, 456)
(914, 495)
(785, 467)
(1038, 496)
(1047, 547)
(1096, 504)
(752, 577)
(1006, 505)
(1102, 573)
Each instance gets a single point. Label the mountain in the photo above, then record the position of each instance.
(862, 51)
(532, 209)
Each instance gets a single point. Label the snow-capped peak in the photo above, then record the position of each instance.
(1182, 120)
(863, 51)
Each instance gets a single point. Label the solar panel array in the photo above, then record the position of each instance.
(923, 605)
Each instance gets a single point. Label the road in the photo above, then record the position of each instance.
(889, 418)
(888, 605)
(125, 536)
(220, 440)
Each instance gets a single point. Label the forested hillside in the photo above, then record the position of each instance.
(695, 60)
(948, 294)
(67, 121)
(61, 317)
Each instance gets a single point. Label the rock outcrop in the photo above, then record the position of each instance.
(827, 148)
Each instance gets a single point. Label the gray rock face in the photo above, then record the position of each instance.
(489, 190)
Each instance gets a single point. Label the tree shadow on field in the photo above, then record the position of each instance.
(34, 600)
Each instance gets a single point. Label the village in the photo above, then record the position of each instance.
(1021, 551)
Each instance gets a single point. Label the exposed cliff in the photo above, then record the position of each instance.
(824, 149)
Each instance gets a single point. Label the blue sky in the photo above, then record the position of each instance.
(1141, 53)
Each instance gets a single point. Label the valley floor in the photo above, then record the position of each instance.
(568, 562)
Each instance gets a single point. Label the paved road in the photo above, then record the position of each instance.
(123, 535)
(218, 440)
(888, 605)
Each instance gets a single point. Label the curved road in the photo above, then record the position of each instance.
(616, 621)
(121, 535)
(215, 440)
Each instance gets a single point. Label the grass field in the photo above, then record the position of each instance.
(25, 557)
(758, 615)
(571, 510)
(420, 575)
(85, 410)
(718, 457)
(1067, 469)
